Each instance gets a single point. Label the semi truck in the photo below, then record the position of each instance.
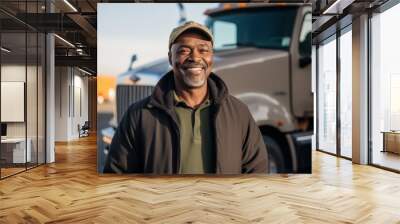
(263, 53)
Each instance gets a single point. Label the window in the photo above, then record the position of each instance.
(327, 96)
(305, 36)
(227, 35)
(394, 102)
(22, 76)
(385, 89)
(346, 93)
(265, 28)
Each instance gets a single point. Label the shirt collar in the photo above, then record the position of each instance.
(179, 101)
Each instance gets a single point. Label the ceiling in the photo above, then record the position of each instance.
(74, 22)
(331, 15)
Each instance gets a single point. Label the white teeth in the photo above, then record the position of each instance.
(195, 69)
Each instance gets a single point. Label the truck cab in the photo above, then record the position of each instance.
(263, 53)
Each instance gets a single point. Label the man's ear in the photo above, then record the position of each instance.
(169, 57)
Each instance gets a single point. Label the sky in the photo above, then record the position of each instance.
(138, 28)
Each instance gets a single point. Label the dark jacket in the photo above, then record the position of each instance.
(147, 139)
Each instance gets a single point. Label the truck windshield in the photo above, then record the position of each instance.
(255, 27)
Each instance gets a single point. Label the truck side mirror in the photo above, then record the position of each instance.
(133, 59)
(305, 51)
(304, 61)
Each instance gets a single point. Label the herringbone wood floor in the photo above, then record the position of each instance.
(70, 191)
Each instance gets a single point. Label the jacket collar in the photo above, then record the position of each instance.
(163, 94)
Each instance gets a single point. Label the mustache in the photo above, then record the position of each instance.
(194, 64)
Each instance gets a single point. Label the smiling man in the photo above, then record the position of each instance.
(190, 124)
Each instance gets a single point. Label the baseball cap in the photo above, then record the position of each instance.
(177, 31)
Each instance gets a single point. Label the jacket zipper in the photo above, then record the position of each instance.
(178, 153)
(217, 166)
(178, 142)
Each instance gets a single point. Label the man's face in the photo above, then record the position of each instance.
(191, 57)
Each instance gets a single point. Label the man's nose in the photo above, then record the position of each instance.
(195, 56)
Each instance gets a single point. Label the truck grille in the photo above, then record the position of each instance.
(129, 94)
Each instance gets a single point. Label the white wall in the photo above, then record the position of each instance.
(15, 72)
(33, 126)
(62, 81)
(71, 93)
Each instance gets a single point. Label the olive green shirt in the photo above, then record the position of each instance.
(197, 155)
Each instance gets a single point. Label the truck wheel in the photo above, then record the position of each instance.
(276, 161)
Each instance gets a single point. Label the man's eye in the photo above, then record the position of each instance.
(183, 51)
(204, 50)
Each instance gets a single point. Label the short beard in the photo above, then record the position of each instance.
(192, 83)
